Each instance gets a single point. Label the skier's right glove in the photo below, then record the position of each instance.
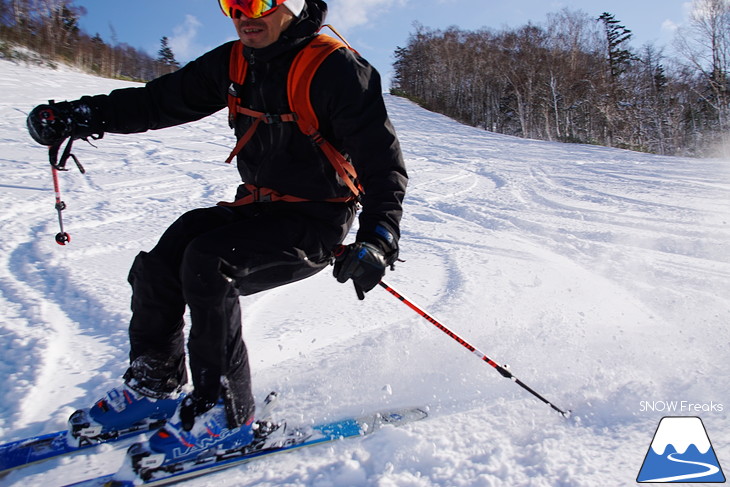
(53, 123)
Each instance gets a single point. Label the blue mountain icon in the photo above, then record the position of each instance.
(681, 452)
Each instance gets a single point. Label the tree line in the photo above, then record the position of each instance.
(576, 78)
(51, 29)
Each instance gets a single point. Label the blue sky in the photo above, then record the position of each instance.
(374, 27)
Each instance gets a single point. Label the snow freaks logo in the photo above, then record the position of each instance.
(681, 452)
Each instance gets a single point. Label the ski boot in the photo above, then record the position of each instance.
(197, 433)
(147, 399)
(121, 412)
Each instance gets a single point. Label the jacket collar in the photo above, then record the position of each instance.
(305, 26)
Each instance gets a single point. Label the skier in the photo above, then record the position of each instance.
(293, 210)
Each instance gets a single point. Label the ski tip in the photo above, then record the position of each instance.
(402, 416)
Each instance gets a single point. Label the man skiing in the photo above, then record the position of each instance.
(294, 209)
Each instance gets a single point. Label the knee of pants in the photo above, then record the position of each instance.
(188, 227)
(155, 284)
(147, 267)
(201, 275)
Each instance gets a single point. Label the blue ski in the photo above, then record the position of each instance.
(35, 449)
(293, 439)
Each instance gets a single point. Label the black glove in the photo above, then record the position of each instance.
(51, 124)
(362, 262)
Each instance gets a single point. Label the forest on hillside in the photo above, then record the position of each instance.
(50, 29)
(573, 78)
(577, 78)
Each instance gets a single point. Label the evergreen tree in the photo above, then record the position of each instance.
(166, 57)
(617, 35)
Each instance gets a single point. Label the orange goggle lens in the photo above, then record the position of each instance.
(252, 9)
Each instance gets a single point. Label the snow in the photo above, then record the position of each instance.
(601, 276)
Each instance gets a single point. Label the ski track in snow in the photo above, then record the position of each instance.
(601, 276)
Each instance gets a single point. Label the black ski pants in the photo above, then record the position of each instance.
(205, 260)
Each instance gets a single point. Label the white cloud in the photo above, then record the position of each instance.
(670, 26)
(183, 39)
(346, 14)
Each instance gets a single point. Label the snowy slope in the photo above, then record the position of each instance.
(602, 277)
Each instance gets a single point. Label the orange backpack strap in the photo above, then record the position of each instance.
(237, 74)
(299, 85)
(262, 195)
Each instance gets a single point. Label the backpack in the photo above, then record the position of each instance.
(299, 81)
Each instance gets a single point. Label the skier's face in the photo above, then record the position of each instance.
(264, 31)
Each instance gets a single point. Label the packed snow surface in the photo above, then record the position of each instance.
(601, 276)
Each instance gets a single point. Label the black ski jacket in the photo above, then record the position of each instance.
(347, 98)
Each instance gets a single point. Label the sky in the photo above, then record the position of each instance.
(374, 27)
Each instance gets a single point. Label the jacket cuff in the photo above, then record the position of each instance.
(88, 117)
(383, 238)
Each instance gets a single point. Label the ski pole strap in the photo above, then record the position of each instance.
(60, 164)
(482, 356)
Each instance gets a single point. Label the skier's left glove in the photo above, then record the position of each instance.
(362, 262)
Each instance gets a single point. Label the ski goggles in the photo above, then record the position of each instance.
(253, 9)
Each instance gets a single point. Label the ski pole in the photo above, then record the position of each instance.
(482, 356)
(62, 238)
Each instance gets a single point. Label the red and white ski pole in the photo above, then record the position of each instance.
(482, 356)
(62, 238)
